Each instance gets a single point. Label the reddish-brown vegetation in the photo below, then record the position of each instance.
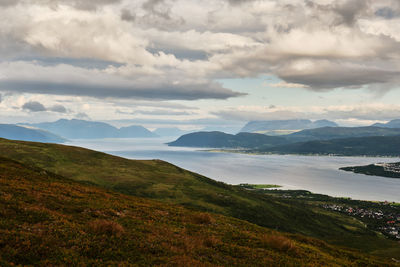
(106, 227)
(47, 220)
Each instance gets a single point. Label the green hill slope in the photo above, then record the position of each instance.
(49, 220)
(165, 182)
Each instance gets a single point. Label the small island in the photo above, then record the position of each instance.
(391, 170)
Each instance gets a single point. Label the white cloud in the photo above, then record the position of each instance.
(176, 49)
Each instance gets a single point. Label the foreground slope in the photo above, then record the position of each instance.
(48, 220)
(163, 181)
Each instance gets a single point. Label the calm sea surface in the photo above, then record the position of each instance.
(318, 174)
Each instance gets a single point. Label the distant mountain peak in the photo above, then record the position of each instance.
(391, 124)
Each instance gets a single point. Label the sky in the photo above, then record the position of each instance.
(199, 63)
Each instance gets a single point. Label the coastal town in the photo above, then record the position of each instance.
(386, 222)
(390, 167)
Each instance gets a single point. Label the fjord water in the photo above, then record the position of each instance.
(319, 174)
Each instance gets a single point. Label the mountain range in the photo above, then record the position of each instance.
(224, 140)
(16, 132)
(356, 146)
(263, 142)
(82, 129)
(390, 124)
(326, 133)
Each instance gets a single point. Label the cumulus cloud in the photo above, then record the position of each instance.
(176, 49)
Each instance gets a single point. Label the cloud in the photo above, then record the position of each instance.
(82, 116)
(80, 4)
(29, 77)
(353, 113)
(324, 74)
(156, 112)
(287, 85)
(161, 49)
(161, 112)
(35, 106)
(127, 15)
(58, 108)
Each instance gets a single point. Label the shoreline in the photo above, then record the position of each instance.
(233, 151)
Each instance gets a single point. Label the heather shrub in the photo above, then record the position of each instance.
(106, 227)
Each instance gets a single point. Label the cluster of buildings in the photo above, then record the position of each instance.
(389, 222)
(390, 167)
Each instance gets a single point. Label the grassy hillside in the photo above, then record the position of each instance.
(48, 220)
(165, 182)
(370, 146)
